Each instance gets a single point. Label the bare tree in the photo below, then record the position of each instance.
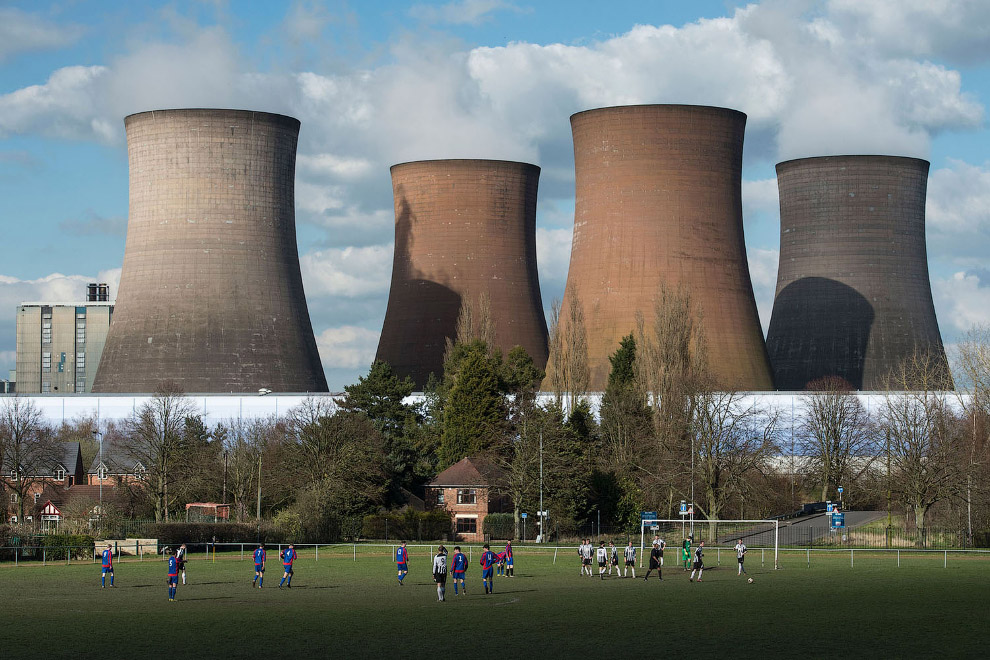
(836, 436)
(27, 451)
(156, 438)
(733, 437)
(921, 431)
(474, 321)
(973, 364)
(567, 369)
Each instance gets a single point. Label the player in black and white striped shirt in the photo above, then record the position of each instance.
(699, 562)
(740, 556)
(630, 554)
(440, 572)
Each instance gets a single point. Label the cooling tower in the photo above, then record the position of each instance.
(853, 296)
(464, 230)
(658, 202)
(210, 294)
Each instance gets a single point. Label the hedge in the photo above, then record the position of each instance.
(499, 526)
(203, 533)
(58, 546)
(409, 525)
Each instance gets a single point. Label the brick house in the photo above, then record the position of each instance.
(56, 470)
(466, 490)
(115, 468)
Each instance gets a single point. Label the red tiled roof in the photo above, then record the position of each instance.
(470, 471)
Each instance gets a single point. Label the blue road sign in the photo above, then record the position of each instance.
(838, 520)
(647, 515)
(524, 515)
(840, 490)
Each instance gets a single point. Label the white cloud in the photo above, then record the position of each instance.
(306, 21)
(763, 273)
(347, 347)
(462, 12)
(66, 105)
(953, 29)
(760, 196)
(962, 300)
(349, 272)
(958, 213)
(21, 32)
(553, 256)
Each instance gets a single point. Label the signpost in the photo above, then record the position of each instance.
(524, 515)
(838, 520)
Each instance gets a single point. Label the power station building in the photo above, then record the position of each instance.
(658, 202)
(465, 230)
(211, 294)
(59, 343)
(853, 296)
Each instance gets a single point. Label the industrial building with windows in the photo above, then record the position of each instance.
(59, 343)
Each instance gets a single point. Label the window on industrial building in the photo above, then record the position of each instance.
(467, 496)
(81, 331)
(46, 387)
(80, 361)
(46, 363)
(80, 383)
(467, 525)
(46, 332)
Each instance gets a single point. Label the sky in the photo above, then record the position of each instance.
(376, 83)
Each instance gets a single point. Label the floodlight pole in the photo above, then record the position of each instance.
(99, 475)
(543, 535)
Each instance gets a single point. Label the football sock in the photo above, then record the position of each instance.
(282, 582)
(255, 579)
(103, 581)
(111, 579)
(290, 580)
(261, 581)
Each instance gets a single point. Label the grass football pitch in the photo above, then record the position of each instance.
(341, 606)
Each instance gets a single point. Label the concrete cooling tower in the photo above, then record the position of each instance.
(658, 202)
(210, 294)
(853, 297)
(464, 229)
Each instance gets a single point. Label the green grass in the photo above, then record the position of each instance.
(340, 606)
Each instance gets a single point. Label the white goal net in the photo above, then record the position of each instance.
(718, 535)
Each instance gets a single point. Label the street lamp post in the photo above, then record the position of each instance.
(99, 475)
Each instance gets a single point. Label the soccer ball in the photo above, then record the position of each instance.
(750, 580)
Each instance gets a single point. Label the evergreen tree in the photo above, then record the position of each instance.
(473, 404)
(380, 397)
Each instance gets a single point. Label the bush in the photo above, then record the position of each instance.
(500, 526)
(59, 546)
(288, 524)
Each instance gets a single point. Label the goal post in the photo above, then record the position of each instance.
(719, 534)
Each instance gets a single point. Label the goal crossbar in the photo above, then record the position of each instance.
(767, 527)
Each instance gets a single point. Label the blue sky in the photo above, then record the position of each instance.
(376, 83)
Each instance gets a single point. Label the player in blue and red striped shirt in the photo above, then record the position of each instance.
(488, 559)
(107, 566)
(173, 575)
(402, 561)
(259, 565)
(507, 559)
(288, 556)
(459, 564)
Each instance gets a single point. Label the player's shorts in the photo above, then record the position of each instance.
(740, 559)
(615, 561)
(586, 561)
(661, 552)
(458, 575)
(259, 568)
(487, 573)
(288, 569)
(630, 562)
(107, 569)
(508, 562)
(602, 564)
(402, 567)
(182, 565)
(698, 565)
(654, 564)
(173, 579)
(440, 578)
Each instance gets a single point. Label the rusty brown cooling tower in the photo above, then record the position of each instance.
(658, 202)
(210, 294)
(464, 229)
(853, 296)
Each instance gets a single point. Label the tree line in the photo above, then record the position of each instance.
(666, 430)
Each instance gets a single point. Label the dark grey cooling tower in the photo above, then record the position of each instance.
(853, 296)
(211, 295)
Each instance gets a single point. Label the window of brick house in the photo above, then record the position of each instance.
(467, 525)
(467, 496)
